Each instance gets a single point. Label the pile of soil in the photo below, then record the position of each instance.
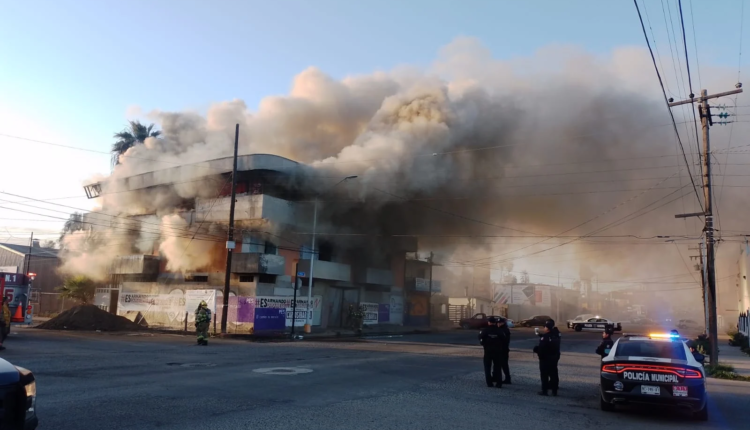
(89, 317)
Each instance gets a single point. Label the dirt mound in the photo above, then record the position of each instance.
(89, 317)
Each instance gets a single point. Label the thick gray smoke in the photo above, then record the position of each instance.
(463, 154)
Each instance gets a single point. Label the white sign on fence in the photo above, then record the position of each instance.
(194, 297)
(371, 313)
(285, 302)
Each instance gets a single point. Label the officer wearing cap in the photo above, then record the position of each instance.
(548, 351)
(493, 340)
(502, 324)
(607, 342)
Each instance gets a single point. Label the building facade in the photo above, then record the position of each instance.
(274, 212)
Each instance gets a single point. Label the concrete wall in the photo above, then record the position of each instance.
(247, 207)
(258, 263)
(327, 270)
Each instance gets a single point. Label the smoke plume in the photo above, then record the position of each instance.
(465, 154)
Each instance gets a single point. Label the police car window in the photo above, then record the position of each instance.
(592, 320)
(651, 349)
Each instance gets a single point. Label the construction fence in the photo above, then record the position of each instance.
(50, 304)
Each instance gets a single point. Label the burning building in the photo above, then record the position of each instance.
(483, 167)
(184, 250)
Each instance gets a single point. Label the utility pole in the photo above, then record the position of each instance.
(230, 234)
(706, 122)
(701, 266)
(28, 260)
(429, 308)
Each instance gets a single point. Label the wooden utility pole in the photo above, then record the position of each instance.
(706, 122)
(230, 234)
(429, 308)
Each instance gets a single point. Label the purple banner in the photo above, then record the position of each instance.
(384, 313)
(245, 309)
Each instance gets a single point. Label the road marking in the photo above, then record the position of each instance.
(282, 370)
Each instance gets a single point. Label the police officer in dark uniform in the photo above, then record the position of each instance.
(503, 325)
(493, 341)
(607, 342)
(548, 351)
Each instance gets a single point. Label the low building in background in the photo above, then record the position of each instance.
(43, 263)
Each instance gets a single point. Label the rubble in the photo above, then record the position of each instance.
(89, 317)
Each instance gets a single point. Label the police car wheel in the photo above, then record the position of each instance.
(701, 415)
(606, 406)
(578, 327)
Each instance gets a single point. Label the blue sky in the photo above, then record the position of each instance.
(69, 70)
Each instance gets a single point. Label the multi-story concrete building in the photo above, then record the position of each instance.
(273, 226)
(743, 287)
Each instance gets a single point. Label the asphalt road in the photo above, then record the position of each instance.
(103, 381)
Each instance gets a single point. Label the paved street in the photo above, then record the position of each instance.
(120, 381)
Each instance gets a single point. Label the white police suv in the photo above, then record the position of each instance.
(654, 369)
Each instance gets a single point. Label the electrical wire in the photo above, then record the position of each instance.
(666, 101)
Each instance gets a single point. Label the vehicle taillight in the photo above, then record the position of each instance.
(28, 310)
(693, 374)
(611, 368)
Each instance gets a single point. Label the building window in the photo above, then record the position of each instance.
(443, 309)
(247, 278)
(270, 248)
(264, 278)
(422, 273)
(325, 252)
(196, 278)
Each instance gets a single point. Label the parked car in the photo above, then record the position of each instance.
(535, 321)
(658, 369)
(579, 318)
(18, 394)
(596, 324)
(479, 321)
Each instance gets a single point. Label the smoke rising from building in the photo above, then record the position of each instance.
(528, 148)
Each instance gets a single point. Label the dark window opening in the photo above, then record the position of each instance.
(270, 248)
(264, 278)
(325, 252)
(196, 278)
(422, 273)
(247, 278)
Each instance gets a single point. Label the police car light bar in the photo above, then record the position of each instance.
(664, 335)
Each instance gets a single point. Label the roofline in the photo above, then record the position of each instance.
(13, 250)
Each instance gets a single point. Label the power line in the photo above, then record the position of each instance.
(666, 101)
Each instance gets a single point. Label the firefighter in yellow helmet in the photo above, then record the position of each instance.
(202, 322)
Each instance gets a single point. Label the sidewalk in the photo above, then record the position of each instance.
(733, 356)
(381, 330)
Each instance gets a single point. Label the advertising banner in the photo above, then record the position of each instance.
(371, 313)
(194, 297)
(136, 302)
(270, 319)
(516, 294)
(384, 313)
(543, 296)
(285, 302)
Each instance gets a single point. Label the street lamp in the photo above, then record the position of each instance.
(308, 313)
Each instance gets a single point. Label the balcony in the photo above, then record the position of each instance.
(327, 270)
(373, 276)
(255, 262)
(136, 265)
(247, 207)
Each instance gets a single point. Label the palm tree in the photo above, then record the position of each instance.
(136, 133)
(78, 288)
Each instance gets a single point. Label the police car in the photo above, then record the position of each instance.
(656, 369)
(595, 323)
